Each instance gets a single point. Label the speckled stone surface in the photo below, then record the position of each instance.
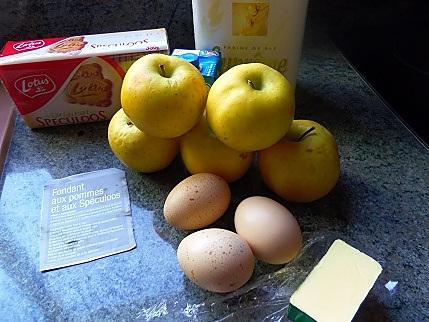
(380, 205)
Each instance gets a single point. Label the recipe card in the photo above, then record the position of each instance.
(85, 217)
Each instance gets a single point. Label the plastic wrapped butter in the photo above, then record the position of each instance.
(336, 287)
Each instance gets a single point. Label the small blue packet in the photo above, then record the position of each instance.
(207, 61)
(191, 56)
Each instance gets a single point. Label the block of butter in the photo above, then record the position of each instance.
(336, 287)
(78, 79)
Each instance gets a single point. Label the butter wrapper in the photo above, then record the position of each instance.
(59, 81)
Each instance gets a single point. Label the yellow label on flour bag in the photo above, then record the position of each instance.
(269, 32)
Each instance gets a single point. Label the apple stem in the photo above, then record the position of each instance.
(303, 135)
(162, 69)
(251, 83)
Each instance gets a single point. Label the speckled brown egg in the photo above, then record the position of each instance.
(217, 260)
(269, 228)
(197, 201)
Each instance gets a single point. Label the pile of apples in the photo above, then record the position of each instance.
(167, 107)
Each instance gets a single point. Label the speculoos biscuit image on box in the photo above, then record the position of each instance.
(68, 45)
(89, 87)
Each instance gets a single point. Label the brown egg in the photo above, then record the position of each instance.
(217, 260)
(271, 231)
(197, 201)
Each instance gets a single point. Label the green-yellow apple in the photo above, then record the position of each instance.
(164, 96)
(137, 150)
(202, 152)
(304, 165)
(250, 107)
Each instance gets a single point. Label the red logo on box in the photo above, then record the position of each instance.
(35, 85)
(28, 45)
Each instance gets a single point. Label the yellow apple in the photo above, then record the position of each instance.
(137, 150)
(202, 152)
(164, 96)
(250, 107)
(303, 166)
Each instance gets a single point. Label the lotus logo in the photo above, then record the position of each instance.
(28, 45)
(35, 85)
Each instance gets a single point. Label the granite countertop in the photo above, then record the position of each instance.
(380, 206)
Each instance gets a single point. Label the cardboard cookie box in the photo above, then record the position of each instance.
(60, 81)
